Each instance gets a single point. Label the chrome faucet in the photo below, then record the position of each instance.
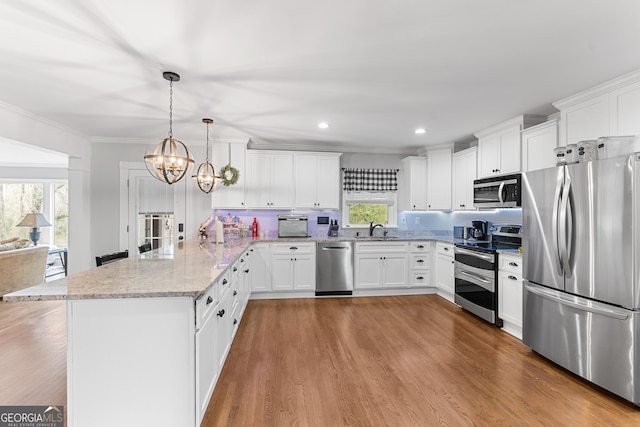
(373, 227)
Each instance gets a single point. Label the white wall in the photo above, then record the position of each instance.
(105, 190)
(23, 126)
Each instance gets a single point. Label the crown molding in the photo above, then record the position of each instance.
(599, 90)
(318, 147)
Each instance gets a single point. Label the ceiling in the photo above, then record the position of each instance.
(18, 154)
(271, 71)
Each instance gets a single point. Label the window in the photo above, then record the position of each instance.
(360, 208)
(50, 198)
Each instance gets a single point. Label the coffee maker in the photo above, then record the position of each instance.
(480, 229)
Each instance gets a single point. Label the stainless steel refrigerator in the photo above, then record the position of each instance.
(581, 271)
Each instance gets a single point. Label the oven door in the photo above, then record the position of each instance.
(475, 283)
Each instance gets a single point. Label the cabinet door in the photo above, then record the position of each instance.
(488, 156)
(258, 189)
(395, 271)
(625, 110)
(368, 271)
(260, 271)
(282, 272)
(328, 182)
(464, 172)
(206, 366)
(586, 120)
(537, 147)
(510, 301)
(281, 181)
(231, 197)
(509, 160)
(417, 184)
(304, 272)
(445, 280)
(439, 179)
(223, 318)
(306, 182)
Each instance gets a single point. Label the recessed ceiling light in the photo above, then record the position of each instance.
(420, 131)
(323, 125)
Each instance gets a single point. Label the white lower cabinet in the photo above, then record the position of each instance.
(260, 268)
(419, 264)
(206, 366)
(510, 293)
(445, 280)
(381, 265)
(293, 266)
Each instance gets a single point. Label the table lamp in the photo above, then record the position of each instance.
(34, 220)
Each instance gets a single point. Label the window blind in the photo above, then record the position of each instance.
(370, 179)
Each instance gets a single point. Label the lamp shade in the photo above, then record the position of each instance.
(34, 220)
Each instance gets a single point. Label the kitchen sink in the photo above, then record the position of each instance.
(376, 238)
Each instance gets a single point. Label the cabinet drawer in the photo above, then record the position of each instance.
(419, 261)
(293, 248)
(381, 247)
(206, 303)
(420, 247)
(419, 278)
(510, 263)
(444, 248)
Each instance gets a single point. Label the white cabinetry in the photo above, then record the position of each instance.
(317, 181)
(260, 266)
(381, 265)
(439, 179)
(464, 172)
(419, 264)
(445, 280)
(293, 266)
(611, 108)
(510, 293)
(499, 146)
(538, 143)
(414, 186)
(232, 196)
(269, 180)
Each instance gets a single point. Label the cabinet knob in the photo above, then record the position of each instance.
(221, 313)
(513, 264)
(420, 278)
(235, 293)
(241, 259)
(224, 281)
(235, 269)
(420, 247)
(235, 321)
(247, 270)
(446, 249)
(512, 277)
(420, 260)
(209, 300)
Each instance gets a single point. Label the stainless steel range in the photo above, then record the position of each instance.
(476, 271)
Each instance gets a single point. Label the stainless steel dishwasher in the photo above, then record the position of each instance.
(334, 269)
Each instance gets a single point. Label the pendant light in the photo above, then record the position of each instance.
(170, 159)
(205, 176)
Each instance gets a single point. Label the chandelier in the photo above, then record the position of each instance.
(205, 176)
(170, 159)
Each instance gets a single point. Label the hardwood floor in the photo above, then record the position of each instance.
(397, 361)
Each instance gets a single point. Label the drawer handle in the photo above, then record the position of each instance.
(247, 270)
(241, 259)
(209, 300)
(513, 264)
(420, 278)
(235, 269)
(221, 313)
(293, 248)
(235, 293)
(235, 321)
(224, 282)
(512, 277)
(445, 248)
(420, 260)
(420, 247)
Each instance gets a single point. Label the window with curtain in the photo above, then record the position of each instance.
(369, 195)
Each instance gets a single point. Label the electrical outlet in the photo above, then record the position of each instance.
(417, 220)
(403, 220)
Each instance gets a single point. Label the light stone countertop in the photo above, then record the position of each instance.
(183, 270)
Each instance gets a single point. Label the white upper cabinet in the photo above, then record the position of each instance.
(439, 179)
(464, 172)
(538, 143)
(499, 146)
(317, 180)
(609, 109)
(269, 180)
(414, 186)
(232, 196)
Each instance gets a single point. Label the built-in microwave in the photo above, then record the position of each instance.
(503, 191)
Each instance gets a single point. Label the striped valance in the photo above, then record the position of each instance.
(370, 179)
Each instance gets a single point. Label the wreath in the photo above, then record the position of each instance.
(229, 175)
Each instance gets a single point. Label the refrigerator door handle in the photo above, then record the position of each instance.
(575, 302)
(554, 227)
(564, 225)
